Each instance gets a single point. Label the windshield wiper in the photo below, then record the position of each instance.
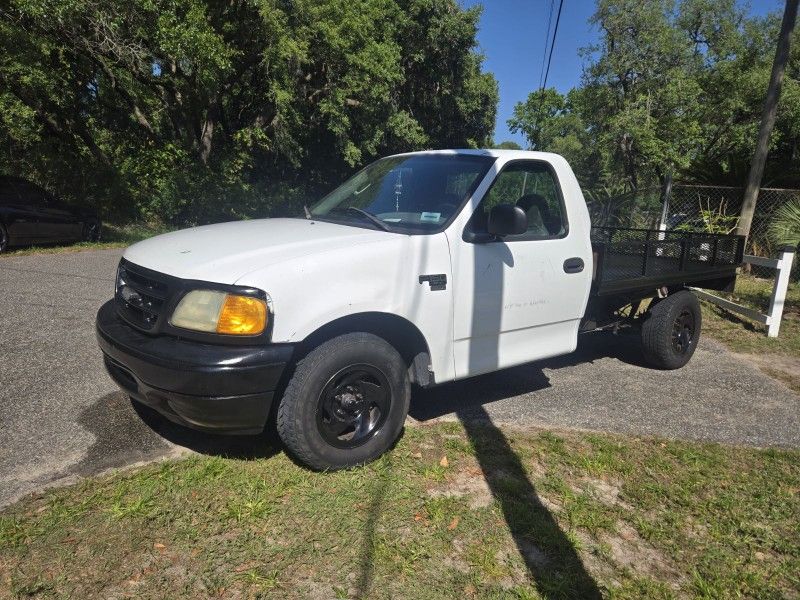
(369, 216)
(308, 212)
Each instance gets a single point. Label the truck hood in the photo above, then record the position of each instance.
(225, 252)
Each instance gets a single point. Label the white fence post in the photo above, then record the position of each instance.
(785, 258)
(772, 320)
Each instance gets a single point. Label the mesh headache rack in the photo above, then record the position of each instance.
(627, 258)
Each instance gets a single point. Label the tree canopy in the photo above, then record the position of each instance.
(670, 88)
(194, 110)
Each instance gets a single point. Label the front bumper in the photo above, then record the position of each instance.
(225, 389)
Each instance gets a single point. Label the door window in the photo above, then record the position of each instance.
(22, 193)
(533, 187)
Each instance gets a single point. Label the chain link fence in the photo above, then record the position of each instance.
(696, 208)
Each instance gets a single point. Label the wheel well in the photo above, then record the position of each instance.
(401, 333)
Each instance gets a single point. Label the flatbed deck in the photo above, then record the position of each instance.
(628, 260)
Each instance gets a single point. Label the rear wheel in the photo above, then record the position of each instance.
(346, 402)
(91, 230)
(671, 330)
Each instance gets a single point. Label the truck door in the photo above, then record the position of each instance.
(521, 298)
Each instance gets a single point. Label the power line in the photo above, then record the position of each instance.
(552, 44)
(546, 41)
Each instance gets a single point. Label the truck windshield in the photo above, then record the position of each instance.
(406, 194)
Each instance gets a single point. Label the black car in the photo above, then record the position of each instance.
(30, 215)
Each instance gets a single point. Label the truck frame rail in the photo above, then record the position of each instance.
(630, 259)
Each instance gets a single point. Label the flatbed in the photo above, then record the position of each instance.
(630, 260)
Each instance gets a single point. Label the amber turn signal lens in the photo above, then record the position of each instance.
(242, 315)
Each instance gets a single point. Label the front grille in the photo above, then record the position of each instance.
(141, 295)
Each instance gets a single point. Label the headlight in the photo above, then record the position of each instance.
(220, 312)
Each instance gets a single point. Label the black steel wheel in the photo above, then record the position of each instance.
(353, 406)
(346, 402)
(91, 230)
(683, 332)
(671, 330)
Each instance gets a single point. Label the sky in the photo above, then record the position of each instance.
(512, 37)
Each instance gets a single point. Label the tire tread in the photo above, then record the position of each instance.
(288, 420)
(656, 331)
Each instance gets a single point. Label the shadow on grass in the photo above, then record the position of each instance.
(549, 554)
(366, 561)
(734, 319)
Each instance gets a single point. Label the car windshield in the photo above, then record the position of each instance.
(407, 194)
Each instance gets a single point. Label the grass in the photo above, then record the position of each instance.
(507, 515)
(743, 335)
(113, 236)
(778, 357)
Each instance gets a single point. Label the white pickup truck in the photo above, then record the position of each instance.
(422, 268)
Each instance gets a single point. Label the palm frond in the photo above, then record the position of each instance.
(784, 227)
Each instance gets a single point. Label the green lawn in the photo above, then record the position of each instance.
(113, 236)
(452, 512)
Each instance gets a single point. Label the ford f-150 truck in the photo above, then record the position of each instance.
(422, 268)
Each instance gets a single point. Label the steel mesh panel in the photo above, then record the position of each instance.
(635, 253)
(695, 208)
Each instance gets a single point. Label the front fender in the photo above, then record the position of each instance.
(311, 291)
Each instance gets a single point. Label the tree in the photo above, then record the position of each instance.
(193, 110)
(553, 122)
(670, 88)
(508, 145)
(641, 90)
(767, 118)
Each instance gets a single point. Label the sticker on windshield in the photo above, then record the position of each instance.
(430, 217)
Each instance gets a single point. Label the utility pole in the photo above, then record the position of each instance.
(767, 119)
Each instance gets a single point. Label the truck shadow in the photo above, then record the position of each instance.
(466, 397)
(551, 559)
(549, 555)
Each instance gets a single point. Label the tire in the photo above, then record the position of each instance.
(357, 383)
(671, 331)
(3, 238)
(91, 230)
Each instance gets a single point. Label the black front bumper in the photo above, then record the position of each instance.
(225, 389)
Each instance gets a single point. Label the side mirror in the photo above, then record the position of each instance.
(507, 219)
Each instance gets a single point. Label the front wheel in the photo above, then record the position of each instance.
(671, 330)
(346, 402)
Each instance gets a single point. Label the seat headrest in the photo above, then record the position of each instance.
(529, 200)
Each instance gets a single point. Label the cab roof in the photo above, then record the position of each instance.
(493, 152)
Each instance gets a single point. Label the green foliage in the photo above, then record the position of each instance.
(671, 87)
(553, 122)
(610, 205)
(712, 218)
(508, 145)
(189, 111)
(784, 227)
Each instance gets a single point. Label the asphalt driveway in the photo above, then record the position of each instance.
(61, 417)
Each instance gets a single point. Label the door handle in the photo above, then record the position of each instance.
(573, 265)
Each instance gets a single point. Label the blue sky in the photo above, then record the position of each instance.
(512, 36)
